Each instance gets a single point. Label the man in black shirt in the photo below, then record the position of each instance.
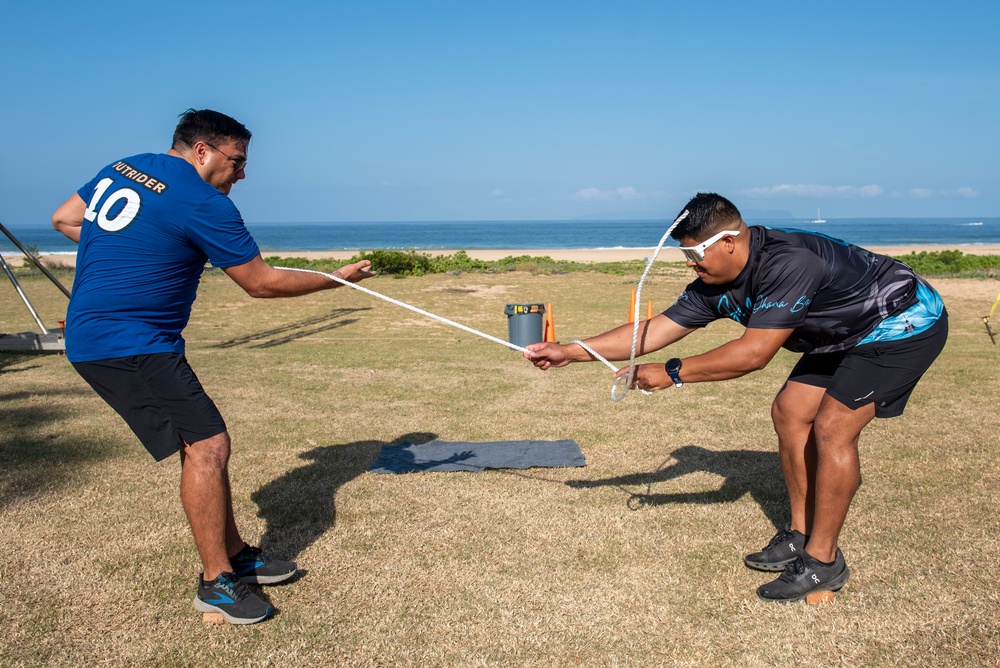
(868, 326)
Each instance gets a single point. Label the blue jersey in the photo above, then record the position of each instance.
(832, 294)
(150, 226)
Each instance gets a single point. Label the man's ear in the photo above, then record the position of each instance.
(200, 150)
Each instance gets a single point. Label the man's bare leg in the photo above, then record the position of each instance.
(838, 472)
(207, 501)
(793, 413)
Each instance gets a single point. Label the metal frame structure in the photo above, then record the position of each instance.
(47, 339)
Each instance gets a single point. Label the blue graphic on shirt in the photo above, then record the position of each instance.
(736, 313)
(918, 318)
(763, 304)
(801, 303)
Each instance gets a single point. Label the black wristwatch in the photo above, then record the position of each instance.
(673, 367)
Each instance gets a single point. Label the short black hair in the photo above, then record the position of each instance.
(707, 213)
(210, 127)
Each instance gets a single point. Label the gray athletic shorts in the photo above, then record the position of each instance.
(883, 373)
(158, 396)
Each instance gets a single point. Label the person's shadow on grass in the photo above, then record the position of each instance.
(288, 332)
(743, 472)
(299, 507)
(39, 455)
(399, 458)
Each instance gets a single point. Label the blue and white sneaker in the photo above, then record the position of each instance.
(250, 565)
(230, 597)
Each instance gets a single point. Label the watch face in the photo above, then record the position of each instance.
(673, 365)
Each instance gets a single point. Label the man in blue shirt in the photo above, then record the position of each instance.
(146, 226)
(868, 326)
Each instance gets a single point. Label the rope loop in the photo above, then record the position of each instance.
(617, 395)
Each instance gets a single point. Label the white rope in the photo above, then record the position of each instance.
(408, 306)
(615, 395)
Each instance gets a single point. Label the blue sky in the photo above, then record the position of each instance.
(519, 110)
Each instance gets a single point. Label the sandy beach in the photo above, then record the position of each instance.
(668, 254)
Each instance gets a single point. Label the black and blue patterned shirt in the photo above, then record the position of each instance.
(834, 295)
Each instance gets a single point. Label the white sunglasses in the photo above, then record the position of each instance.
(697, 253)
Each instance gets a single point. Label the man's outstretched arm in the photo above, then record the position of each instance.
(751, 352)
(615, 344)
(260, 279)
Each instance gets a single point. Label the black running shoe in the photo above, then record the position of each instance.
(804, 576)
(781, 551)
(250, 565)
(230, 597)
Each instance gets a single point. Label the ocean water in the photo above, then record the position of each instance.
(553, 234)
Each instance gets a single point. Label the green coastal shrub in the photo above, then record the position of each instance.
(952, 263)
(397, 263)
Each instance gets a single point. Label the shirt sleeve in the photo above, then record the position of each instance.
(692, 308)
(787, 285)
(217, 228)
(86, 192)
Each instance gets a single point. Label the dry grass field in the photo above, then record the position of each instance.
(634, 560)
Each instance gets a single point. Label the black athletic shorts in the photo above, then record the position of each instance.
(883, 372)
(158, 396)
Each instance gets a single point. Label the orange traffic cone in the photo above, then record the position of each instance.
(649, 310)
(631, 308)
(550, 325)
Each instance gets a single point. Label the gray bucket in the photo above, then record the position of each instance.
(525, 323)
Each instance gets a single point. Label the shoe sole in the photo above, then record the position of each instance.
(202, 606)
(770, 568)
(836, 585)
(268, 579)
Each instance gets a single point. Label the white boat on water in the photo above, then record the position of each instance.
(819, 219)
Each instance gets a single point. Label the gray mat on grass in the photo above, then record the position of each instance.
(407, 457)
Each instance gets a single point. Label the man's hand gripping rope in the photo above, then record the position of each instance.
(623, 383)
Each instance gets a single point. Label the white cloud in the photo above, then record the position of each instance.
(625, 193)
(496, 192)
(963, 192)
(814, 191)
(867, 191)
(921, 193)
(593, 195)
